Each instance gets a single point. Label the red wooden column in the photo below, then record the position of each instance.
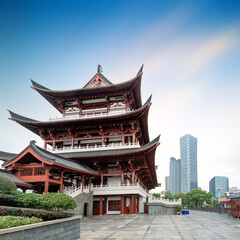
(122, 131)
(135, 203)
(46, 180)
(101, 206)
(122, 177)
(133, 133)
(133, 177)
(132, 204)
(101, 178)
(138, 204)
(83, 177)
(61, 179)
(72, 144)
(54, 144)
(122, 205)
(45, 145)
(101, 132)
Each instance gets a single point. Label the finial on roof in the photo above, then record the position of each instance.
(99, 68)
(33, 142)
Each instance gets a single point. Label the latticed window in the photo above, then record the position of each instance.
(39, 171)
(114, 205)
(27, 172)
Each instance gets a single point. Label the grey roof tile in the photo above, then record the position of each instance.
(7, 155)
(13, 177)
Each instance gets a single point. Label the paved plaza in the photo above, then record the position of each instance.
(196, 225)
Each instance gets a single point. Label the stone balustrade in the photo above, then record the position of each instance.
(136, 188)
(95, 147)
(168, 201)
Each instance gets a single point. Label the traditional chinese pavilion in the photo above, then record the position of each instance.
(99, 145)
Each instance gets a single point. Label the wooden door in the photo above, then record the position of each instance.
(96, 207)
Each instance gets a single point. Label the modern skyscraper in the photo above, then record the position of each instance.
(175, 175)
(218, 185)
(188, 152)
(167, 184)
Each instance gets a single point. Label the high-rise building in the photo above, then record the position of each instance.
(218, 185)
(167, 184)
(188, 152)
(175, 175)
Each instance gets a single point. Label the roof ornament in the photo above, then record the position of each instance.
(32, 142)
(99, 68)
(140, 70)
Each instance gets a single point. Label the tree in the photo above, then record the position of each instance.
(197, 197)
(168, 194)
(156, 195)
(182, 196)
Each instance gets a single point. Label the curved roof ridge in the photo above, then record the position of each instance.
(5, 156)
(148, 100)
(140, 70)
(20, 117)
(37, 85)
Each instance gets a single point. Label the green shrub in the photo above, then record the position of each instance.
(57, 201)
(6, 199)
(48, 201)
(178, 208)
(13, 221)
(28, 212)
(6, 184)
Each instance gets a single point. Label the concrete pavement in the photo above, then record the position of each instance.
(196, 225)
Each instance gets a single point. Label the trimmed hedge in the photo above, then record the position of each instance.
(47, 201)
(28, 212)
(6, 199)
(12, 221)
(7, 184)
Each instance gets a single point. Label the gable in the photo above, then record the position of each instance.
(97, 81)
(28, 156)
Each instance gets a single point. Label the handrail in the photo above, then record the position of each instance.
(74, 191)
(166, 200)
(98, 147)
(101, 114)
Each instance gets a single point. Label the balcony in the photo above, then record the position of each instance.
(89, 115)
(110, 189)
(95, 147)
(119, 189)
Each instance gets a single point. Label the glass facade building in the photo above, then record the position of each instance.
(175, 175)
(218, 185)
(188, 152)
(167, 184)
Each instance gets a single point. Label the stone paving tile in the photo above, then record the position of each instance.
(196, 225)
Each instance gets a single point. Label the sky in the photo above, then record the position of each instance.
(191, 56)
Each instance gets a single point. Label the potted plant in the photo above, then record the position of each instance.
(178, 210)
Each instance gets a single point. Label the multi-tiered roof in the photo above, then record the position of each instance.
(101, 124)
